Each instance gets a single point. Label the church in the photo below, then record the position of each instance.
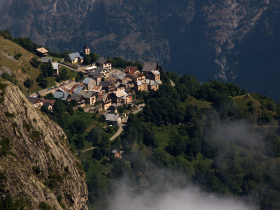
(78, 56)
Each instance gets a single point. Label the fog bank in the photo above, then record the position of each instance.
(174, 199)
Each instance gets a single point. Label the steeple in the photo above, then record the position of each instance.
(86, 49)
(86, 46)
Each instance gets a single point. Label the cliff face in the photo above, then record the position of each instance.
(229, 40)
(35, 156)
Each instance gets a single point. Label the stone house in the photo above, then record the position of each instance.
(148, 67)
(131, 71)
(104, 63)
(113, 119)
(139, 77)
(89, 83)
(154, 75)
(62, 95)
(120, 96)
(139, 86)
(108, 86)
(89, 97)
(76, 57)
(79, 98)
(35, 101)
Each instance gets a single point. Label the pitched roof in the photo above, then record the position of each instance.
(155, 72)
(96, 88)
(120, 93)
(78, 90)
(47, 104)
(48, 101)
(32, 100)
(139, 83)
(55, 65)
(86, 46)
(46, 59)
(60, 94)
(101, 60)
(117, 84)
(75, 55)
(76, 97)
(87, 80)
(112, 117)
(105, 84)
(86, 94)
(148, 67)
(130, 70)
(42, 50)
(96, 73)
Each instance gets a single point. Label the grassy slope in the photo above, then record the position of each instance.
(16, 66)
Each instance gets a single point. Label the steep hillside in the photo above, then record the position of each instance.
(20, 68)
(231, 40)
(37, 167)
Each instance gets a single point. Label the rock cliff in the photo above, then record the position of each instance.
(36, 163)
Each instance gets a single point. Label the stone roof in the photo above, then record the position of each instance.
(87, 80)
(148, 67)
(112, 117)
(76, 97)
(60, 94)
(46, 59)
(117, 84)
(105, 84)
(32, 100)
(86, 94)
(120, 93)
(101, 60)
(79, 89)
(75, 55)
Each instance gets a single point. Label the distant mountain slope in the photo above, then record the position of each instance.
(36, 162)
(231, 40)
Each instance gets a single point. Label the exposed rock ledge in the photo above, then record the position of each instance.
(39, 153)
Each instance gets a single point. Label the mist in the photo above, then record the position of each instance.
(189, 198)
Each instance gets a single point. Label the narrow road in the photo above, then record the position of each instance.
(121, 128)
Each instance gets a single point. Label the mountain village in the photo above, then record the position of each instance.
(103, 88)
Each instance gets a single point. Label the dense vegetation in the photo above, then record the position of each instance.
(180, 130)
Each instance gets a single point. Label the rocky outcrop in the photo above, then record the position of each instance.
(36, 160)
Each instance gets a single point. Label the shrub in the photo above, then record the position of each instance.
(28, 83)
(8, 77)
(17, 56)
(27, 126)
(5, 146)
(9, 115)
(44, 206)
(81, 109)
(36, 169)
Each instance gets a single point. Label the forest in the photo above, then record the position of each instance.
(216, 135)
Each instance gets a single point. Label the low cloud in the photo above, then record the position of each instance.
(188, 198)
